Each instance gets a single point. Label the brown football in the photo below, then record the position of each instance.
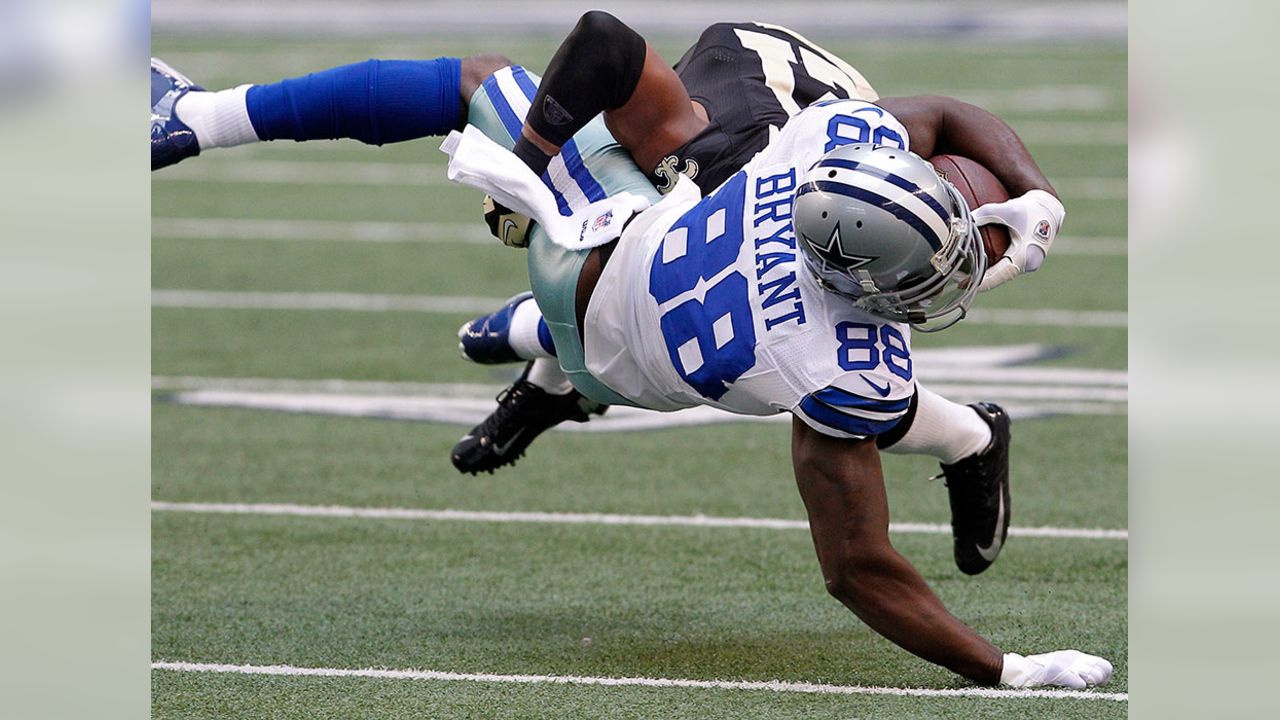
(978, 187)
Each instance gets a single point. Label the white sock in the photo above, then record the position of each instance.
(546, 374)
(946, 430)
(523, 335)
(219, 119)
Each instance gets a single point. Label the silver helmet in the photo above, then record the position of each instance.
(878, 226)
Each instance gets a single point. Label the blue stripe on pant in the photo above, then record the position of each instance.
(553, 270)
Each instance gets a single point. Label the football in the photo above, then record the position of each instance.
(978, 187)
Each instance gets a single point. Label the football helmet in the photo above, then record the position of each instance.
(879, 226)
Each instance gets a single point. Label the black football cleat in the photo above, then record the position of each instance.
(171, 140)
(978, 487)
(524, 412)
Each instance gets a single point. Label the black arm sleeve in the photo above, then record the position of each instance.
(596, 68)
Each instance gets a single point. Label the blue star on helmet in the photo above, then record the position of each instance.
(835, 250)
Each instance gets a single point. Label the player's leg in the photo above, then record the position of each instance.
(591, 166)
(939, 428)
(971, 442)
(375, 102)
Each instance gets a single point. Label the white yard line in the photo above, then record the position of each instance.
(1060, 318)
(1038, 98)
(774, 686)
(1091, 246)
(331, 385)
(704, 521)
(930, 370)
(1084, 133)
(468, 410)
(371, 302)
(469, 233)
(1092, 188)
(350, 231)
(278, 172)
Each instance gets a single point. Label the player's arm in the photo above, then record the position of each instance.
(942, 125)
(605, 66)
(843, 489)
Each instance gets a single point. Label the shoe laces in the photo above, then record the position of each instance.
(508, 405)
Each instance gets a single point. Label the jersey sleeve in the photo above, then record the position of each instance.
(844, 413)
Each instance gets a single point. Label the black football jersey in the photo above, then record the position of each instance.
(751, 78)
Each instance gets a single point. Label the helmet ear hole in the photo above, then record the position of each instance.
(859, 223)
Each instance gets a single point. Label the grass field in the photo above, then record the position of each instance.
(589, 599)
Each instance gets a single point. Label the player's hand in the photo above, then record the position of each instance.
(1033, 221)
(507, 225)
(1062, 668)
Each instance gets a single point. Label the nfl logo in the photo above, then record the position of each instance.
(602, 221)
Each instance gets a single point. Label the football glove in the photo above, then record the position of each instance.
(1033, 221)
(507, 225)
(1061, 668)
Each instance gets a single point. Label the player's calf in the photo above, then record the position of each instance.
(375, 102)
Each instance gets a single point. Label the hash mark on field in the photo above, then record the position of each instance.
(366, 513)
(776, 686)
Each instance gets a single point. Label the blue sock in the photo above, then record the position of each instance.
(375, 102)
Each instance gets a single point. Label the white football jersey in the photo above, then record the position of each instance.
(709, 302)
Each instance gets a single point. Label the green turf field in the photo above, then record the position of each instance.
(586, 599)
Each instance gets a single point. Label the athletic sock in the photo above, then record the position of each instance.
(943, 429)
(375, 102)
(529, 335)
(546, 374)
(219, 119)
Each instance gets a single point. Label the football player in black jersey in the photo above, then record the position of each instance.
(718, 107)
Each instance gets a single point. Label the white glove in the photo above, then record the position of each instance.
(1033, 221)
(1062, 668)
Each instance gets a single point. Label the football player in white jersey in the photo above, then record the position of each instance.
(790, 288)
(833, 441)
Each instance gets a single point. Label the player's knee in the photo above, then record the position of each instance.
(609, 51)
(476, 68)
(600, 25)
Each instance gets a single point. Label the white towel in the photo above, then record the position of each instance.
(481, 163)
